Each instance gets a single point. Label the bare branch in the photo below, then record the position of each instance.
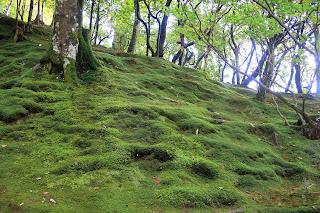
(285, 119)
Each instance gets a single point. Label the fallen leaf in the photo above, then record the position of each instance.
(281, 147)
(300, 158)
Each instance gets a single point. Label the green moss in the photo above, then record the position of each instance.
(133, 122)
(205, 168)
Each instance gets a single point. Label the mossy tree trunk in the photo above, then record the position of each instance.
(70, 51)
(65, 38)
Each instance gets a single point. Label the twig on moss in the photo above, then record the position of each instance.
(169, 99)
(269, 142)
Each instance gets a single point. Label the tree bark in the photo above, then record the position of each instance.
(135, 30)
(29, 24)
(250, 59)
(37, 19)
(179, 53)
(62, 54)
(318, 75)
(257, 70)
(149, 47)
(205, 54)
(235, 49)
(267, 73)
(163, 32)
(182, 44)
(97, 23)
(290, 78)
(91, 15)
(297, 77)
(42, 12)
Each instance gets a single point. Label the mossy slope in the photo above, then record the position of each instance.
(147, 136)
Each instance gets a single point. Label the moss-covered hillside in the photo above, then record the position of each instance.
(143, 135)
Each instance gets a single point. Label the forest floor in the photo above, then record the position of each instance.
(144, 135)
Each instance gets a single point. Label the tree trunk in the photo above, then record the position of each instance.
(7, 10)
(235, 49)
(91, 16)
(205, 54)
(298, 77)
(135, 30)
(29, 24)
(290, 78)
(62, 54)
(182, 49)
(267, 75)
(163, 32)
(97, 23)
(250, 59)
(41, 14)
(221, 72)
(37, 19)
(257, 70)
(17, 11)
(147, 27)
(318, 75)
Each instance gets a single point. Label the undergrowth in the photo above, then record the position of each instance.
(143, 135)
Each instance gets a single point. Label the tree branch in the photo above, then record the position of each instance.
(286, 28)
